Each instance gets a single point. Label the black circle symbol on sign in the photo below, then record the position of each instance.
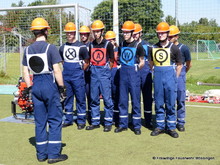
(98, 55)
(36, 64)
(161, 56)
(127, 55)
(70, 53)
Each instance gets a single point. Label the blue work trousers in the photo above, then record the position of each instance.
(181, 97)
(47, 111)
(146, 88)
(101, 84)
(74, 81)
(115, 93)
(129, 83)
(87, 75)
(165, 93)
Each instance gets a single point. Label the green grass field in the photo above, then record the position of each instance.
(203, 71)
(201, 138)
(199, 142)
(12, 69)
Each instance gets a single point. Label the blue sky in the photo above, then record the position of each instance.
(188, 10)
(193, 10)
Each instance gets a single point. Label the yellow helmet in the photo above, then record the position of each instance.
(39, 23)
(110, 35)
(174, 30)
(70, 27)
(138, 28)
(84, 29)
(163, 27)
(97, 25)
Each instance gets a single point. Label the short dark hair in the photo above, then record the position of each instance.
(41, 32)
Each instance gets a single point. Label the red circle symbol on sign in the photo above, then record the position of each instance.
(98, 55)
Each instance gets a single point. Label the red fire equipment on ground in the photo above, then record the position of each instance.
(21, 99)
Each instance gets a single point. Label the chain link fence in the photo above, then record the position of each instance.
(195, 24)
(15, 34)
(196, 20)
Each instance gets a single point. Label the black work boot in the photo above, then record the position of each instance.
(107, 128)
(137, 131)
(157, 131)
(81, 126)
(42, 160)
(59, 159)
(173, 133)
(91, 127)
(180, 127)
(120, 129)
(66, 125)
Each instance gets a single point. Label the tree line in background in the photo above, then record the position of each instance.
(146, 12)
(149, 13)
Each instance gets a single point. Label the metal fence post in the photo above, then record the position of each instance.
(21, 53)
(4, 54)
(115, 19)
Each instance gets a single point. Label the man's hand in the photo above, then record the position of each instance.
(62, 90)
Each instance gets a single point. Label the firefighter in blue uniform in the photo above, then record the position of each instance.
(181, 82)
(131, 56)
(146, 79)
(76, 60)
(43, 59)
(111, 36)
(165, 60)
(101, 59)
(84, 32)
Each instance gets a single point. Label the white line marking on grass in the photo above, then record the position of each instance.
(201, 106)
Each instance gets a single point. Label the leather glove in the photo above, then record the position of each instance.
(27, 92)
(62, 90)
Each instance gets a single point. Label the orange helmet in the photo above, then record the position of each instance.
(70, 27)
(110, 35)
(128, 26)
(138, 28)
(163, 27)
(84, 29)
(97, 25)
(174, 30)
(39, 23)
